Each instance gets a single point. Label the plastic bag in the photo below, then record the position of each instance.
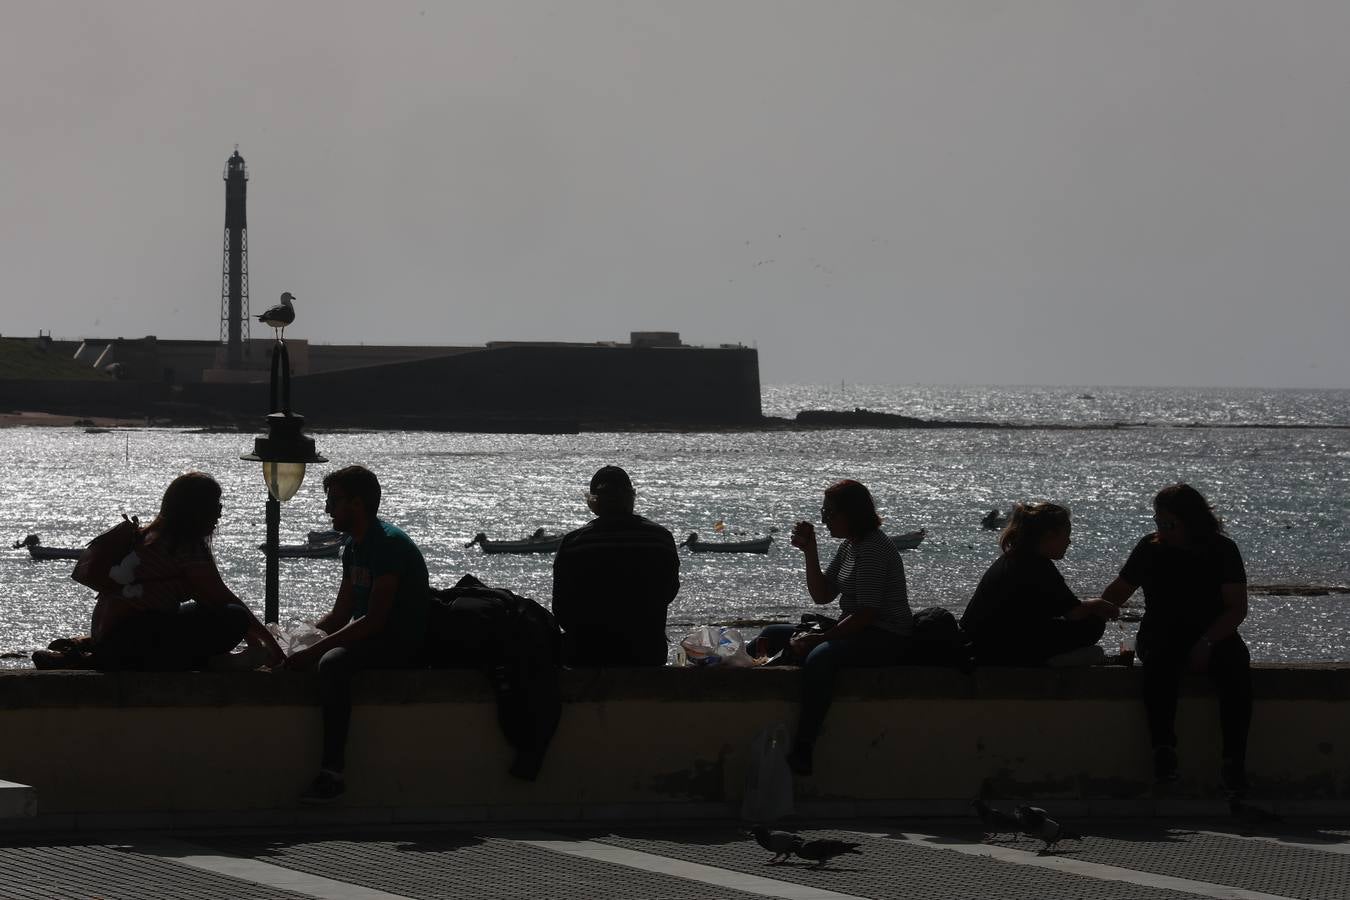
(296, 637)
(768, 780)
(715, 645)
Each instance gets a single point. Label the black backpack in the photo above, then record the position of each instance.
(517, 644)
(939, 641)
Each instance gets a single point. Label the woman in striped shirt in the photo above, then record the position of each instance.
(876, 626)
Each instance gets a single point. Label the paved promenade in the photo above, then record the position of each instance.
(900, 859)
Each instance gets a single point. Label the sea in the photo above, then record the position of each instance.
(1274, 463)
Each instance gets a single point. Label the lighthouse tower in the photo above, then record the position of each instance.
(234, 268)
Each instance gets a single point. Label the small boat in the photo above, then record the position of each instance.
(758, 545)
(909, 540)
(539, 542)
(993, 520)
(318, 545)
(33, 544)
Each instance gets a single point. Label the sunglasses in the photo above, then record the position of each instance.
(826, 512)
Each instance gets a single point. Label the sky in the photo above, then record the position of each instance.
(1034, 192)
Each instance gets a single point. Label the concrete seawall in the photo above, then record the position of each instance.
(206, 748)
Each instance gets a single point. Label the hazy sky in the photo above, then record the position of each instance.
(1073, 192)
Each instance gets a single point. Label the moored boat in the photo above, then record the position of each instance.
(909, 540)
(758, 545)
(318, 545)
(33, 544)
(539, 542)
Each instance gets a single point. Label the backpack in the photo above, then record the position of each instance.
(939, 641)
(518, 645)
(95, 567)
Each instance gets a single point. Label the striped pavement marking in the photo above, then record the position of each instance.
(1080, 867)
(247, 869)
(650, 862)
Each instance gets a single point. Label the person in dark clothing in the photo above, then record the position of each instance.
(876, 627)
(613, 579)
(174, 612)
(1023, 613)
(379, 620)
(1195, 597)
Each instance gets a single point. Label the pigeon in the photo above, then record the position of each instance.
(281, 315)
(1036, 822)
(824, 850)
(995, 821)
(782, 844)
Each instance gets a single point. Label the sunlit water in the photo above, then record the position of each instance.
(1284, 494)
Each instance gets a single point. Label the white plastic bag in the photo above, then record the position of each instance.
(296, 637)
(715, 645)
(768, 780)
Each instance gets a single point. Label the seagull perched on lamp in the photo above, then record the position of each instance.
(280, 316)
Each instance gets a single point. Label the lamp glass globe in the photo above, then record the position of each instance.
(283, 479)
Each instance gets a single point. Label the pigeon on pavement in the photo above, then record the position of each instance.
(1036, 822)
(995, 821)
(825, 849)
(281, 315)
(782, 844)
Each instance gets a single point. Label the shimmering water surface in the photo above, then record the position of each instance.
(1284, 493)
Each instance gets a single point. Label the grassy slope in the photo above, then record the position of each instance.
(23, 359)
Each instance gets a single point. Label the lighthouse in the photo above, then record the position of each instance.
(234, 267)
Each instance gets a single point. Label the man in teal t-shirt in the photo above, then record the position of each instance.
(379, 620)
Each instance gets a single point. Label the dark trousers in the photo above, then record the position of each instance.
(1033, 646)
(596, 648)
(1165, 664)
(172, 641)
(337, 667)
(870, 647)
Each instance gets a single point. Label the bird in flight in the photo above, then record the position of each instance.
(279, 316)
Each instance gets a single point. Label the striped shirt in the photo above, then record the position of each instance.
(869, 574)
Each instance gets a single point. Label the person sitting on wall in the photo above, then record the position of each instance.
(1022, 613)
(1195, 597)
(176, 613)
(876, 628)
(613, 579)
(379, 620)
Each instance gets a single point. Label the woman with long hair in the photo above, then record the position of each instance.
(1023, 613)
(1195, 597)
(875, 628)
(175, 612)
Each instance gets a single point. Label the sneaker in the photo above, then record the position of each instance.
(326, 787)
(1233, 777)
(1164, 764)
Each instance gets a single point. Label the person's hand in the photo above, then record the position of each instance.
(302, 659)
(803, 644)
(1199, 661)
(275, 656)
(804, 536)
(1102, 608)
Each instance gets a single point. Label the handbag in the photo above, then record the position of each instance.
(94, 567)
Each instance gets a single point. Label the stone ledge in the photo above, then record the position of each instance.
(26, 689)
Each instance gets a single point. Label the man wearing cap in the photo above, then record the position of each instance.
(613, 579)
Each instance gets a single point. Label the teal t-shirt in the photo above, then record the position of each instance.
(386, 550)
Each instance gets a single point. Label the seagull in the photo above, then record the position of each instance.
(281, 315)
(824, 850)
(1037, 823)
(995, 820)
(782, 844)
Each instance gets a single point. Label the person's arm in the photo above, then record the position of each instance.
(332, 623)
(871, 581)
(563, 592)
(382, 593)
(1118, 593)
(672, 586)
(210, 589)
(1233, 592)
(818, 584)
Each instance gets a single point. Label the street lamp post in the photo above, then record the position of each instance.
(284, 453)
